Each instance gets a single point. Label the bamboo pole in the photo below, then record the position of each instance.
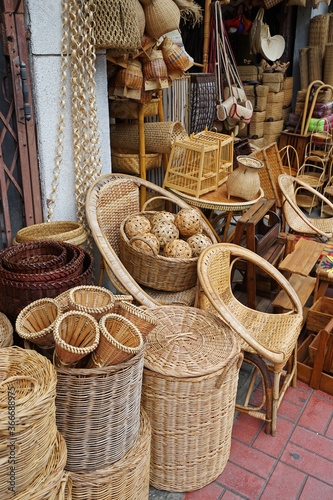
(206, 36)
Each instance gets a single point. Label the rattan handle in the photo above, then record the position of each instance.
(238, 359)
(157, 198)
(139, 238)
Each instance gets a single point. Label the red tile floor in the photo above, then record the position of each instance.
(295, 464)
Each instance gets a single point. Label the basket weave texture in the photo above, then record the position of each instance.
(28, 429)
(162, 16)
(94, 300)
(71, 232)
(191, 436)
(17, 291)
(129, 163)
(98, 412)
(203, 101)
(142, 319)
(34, 258)
(126, 479)
(6, 331)
(157, 271)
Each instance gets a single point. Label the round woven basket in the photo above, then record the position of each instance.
(127, 479)
(76, 334)
(156, 271)
(159, 136)
(130, 110)
(28, 431)
(72, 232)
(98, 412)
(162, 16)
(144, 321)
(94, 300)
(191, 373)
(120, 340)
(318, 30)
(35, 257)
(36, 321)
(120, 299)
(6, 331)
(129, 163)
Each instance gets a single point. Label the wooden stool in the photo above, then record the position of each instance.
(324, 274)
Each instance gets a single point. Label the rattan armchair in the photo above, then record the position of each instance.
(297, 221)
(112, 198)
(269, 341)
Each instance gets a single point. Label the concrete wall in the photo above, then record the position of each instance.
(43, 19)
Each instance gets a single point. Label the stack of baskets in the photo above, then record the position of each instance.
(99, 379)
(189, 388)
(40, 269)
(34, 452)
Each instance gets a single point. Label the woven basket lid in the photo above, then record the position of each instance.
(188, 342)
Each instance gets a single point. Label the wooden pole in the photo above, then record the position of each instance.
(206, 37)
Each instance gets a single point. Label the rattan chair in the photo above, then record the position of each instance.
(269, 341)
(110, 200)
(297, 221)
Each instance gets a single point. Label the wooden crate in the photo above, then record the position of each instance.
(304, 370)
(313, 348)
(320, 314)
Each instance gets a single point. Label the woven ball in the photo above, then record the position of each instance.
(198, 242)
(136, 226)
(165, 232)
(141, 245)
(188, 221)
(162, 216)
(178, 249)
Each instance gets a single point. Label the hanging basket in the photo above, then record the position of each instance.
(161, 16)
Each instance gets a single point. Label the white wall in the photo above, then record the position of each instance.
(45, 24)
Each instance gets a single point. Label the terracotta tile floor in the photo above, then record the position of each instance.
(296, 464)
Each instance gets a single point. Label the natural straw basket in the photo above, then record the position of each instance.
(119, 341)
(318, 30)
(189, 390)
(315, 58)
(159, 136)
(130, 109)
(253, 130)
(154, 67)
(175, 57)
(94, 300)
(98, 412)
(76, 334)
(126, 479)
(71, 232)
(330, 29)
(274, 81)
(129, 163)
(54, 483)
(304, 67)
(144, 321)
(274, 106)
(36, 321)
(6, 331)
(35, 257)
(162, 16)
(28, 431)
(272, 128)
(328, 64)
(118, 300)
(257, 94)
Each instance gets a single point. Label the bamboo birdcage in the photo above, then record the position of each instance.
(226, 150)
(193, 167)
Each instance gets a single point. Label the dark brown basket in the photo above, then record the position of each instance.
(157, 271)
(72, 268)
(35, 257)
(15, 295)
(203, 101)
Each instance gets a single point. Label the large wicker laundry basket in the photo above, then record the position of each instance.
(189, 389)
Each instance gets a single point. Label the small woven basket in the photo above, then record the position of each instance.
(129, 110)
(98, 412)
(28, 431)
(93, 300)
(76, 335)
(318, 30)
(129, 163)
(36, 321)
(273, 128)
(118, 300)
(191, 373)
(254, 130)
(126, 479)
(156, 271)
(257, 94)
(274, 81)
(71, 232)
(175, 57)
(6, 331)
(34, 258)
(144, 321)
(250, 72)
(162, 16)
(119, 341)
(274, 106)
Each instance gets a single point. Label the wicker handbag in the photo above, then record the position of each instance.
(113, 29)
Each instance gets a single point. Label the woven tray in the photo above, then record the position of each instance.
(98, 412)
(187, 383)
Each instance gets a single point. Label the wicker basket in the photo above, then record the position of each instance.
(129, 163)
(269, 139)
(275, 81)
(257, 94)
(274, 106)
(318, 30)
(250, 72)
(324, 96)
(304, 67)
(174, 56)
(254, 130)
(120, 299)
(127, 479)
(6, 331)
(203, 101)
(98, 412)
(315, 61)
(71, 232)
(28, 431)
(191, 373)
(76, 334)
(36, 321)
(162, 16)
(93, 300)
(156, 271)
(129, 110)
(144, 321)
(328, 64)
(159, 136)
(120, 340)
(34, 258)
(273, 128)
(258, 143)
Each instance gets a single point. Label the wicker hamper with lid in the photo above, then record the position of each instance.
(189, 390)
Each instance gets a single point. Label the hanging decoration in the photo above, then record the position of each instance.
(79, 42)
